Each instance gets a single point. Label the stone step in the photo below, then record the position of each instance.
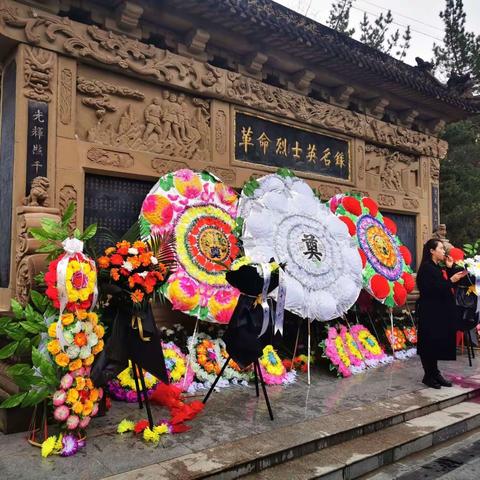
(360, 456)
(265, 450)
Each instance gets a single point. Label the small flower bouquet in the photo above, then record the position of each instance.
(136, 269)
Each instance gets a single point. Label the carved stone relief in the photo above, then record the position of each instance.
(110, 158)
(162, 166)
(386, 200)
(220, 132)
(66, 96)
(410, 203)
(37, 73)
(38, 196)
(173, 124)
(425, 233)
(97, 95)
(68, 194)
(225, 174)
(326, 191)
(395, 171)
(94, 44)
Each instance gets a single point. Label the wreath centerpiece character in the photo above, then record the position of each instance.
(200, 212)
(284, 220)
(386, 273)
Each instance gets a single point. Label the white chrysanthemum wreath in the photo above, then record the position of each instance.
(283, 219)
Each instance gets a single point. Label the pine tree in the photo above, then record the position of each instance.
(339, 17)
(376, 35)
(460, 53)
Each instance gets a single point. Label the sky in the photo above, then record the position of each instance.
(421, 15)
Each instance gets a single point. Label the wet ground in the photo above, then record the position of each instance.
(458, 459)
(230, 414)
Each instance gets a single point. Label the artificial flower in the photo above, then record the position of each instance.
(61, 413)
(48, 446)
(54, 347)
(125, 426)
(62, 359)
(72, 422)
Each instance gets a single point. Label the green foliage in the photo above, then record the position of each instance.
(375, 34)
(51, 233)
(472, 249)
(40, 378)
(250, 187)
(460, 52)
(339, 17)
(460, 182)
(285, 172)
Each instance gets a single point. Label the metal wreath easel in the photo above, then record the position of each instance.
(257, 373)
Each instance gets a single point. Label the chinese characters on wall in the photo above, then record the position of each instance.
(36, 141)
(435, 207)
(269, 143)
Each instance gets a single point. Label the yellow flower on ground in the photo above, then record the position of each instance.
(161, 429)
(48, 446)
(125, 426)
(151, 436)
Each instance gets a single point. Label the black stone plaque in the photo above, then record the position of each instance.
(113, 203)
(406, 232)
(266, 142)
(37, 138)
(435, 207)
(7, 146)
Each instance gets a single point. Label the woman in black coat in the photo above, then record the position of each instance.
(437, 312)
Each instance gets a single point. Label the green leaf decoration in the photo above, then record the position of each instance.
(23, 347)
(144, 227)
(166, 182)
(89, 232)
(8, 350)
(38, 233)
(13, 400)
(34, 397)
(4, 322)
(29, 313)
(68, 214)
(207, 177)
(40, 301)
(14, 331)
(17, 310)
(285, 172)
(250, 187)
(31, 327)
(40, 279)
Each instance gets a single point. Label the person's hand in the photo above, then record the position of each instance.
(448, 261)
(458, 276)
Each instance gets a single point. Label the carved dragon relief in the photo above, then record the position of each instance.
(90, 42)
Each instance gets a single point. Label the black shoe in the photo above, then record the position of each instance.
(431, 382)
(442, 381)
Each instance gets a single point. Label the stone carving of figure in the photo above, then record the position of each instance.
(391, 179)
(153, 115)
(38, 196)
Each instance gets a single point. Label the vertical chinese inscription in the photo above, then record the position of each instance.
(37, 139)
(435, 207)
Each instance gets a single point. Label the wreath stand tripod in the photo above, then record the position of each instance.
(142, 392)
(469, 344)
(257, 373)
